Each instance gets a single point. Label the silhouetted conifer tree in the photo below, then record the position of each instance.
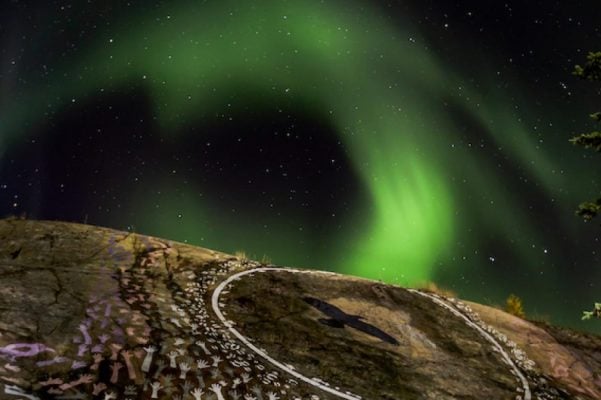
(591, 71)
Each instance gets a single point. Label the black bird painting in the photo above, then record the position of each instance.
(340, 319)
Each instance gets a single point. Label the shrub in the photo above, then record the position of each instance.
(514, 306)
(595, 313)
(241, 256)
(434, 288)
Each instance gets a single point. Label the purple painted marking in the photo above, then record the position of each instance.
(55, 360)
(83, 349)
(84, 331)
(93, 315)
(78, 365)
(17, 350)
(13, 368)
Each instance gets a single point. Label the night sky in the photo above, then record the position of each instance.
(407, 142)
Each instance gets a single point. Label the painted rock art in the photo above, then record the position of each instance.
(134, 317)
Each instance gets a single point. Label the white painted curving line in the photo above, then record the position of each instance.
(487, 336)
(216, 309)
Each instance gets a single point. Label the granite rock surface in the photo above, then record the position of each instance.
(94, 313)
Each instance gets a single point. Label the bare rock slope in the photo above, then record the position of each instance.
(93, 313)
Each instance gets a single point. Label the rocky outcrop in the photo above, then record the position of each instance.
(93, 313)
(572, 358)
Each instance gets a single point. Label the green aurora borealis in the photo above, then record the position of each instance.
(400, 111)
